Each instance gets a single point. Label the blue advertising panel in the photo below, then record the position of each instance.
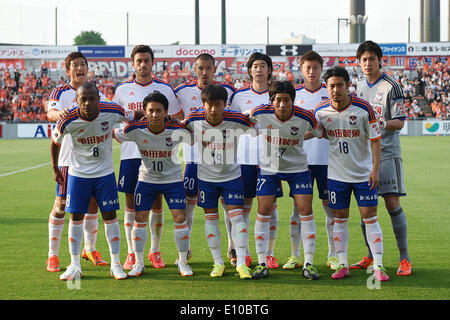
(393, 49)
(102, 51)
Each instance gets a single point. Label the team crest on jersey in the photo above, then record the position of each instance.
(169, 141)
(301, 101)
(105, 125)
(352, 120)
(294, 131)
(249, 101)
(379, 96)
(324, 98)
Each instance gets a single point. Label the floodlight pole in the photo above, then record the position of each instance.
(56, 26)
(197, 22)
(224, 23)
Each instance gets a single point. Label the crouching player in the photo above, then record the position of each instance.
(159, 173)
(90, 126)
(215, 130)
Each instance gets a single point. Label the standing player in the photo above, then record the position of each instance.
(284, 126)
(160, 172)
(259, 68)
(130, 95)
(308, 96)
(189, 97)
(61, 100)
(91, 172)
(214, 130)
(351, 126)
(386, 97)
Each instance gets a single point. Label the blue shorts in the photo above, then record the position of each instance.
(81, 190)
(299, 183)
(128, 175)
(249, 175)
(231, 191)
(61, 189)
(190, 179)
(146, 193)
(339, 194)
(319, 174)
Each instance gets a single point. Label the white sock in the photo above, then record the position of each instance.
(128, 222)
(295, 233)
(227, 225)
(139, 237)
(156, 224)
(262, 230)
(90, 227)
(329, 223)
(239, 234)
(181, 236)
(189, 211)
(375, 240)
(246, 215)
(273, 230)
(212, 234)
(340, 236)
(112, 232)
(308, 237)
(75, 238)
(55, 228)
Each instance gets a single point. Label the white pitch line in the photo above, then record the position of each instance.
(22, 170)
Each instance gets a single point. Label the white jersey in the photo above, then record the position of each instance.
(349, 133)
(91, 155)
(217, 144)
(189, 97)
(283, 140)
(64, 96)
(316, 149)
(158, 150)
(244, 100)
(130, 96)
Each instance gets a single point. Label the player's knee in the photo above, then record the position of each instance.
(93, 206)
(129, 200)
(141, 216)
(157, 204)
(76, 217)
(178, 216)
(391, 203)
(59, 208)
(110, 215)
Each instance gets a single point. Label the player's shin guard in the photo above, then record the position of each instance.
(156, 223)
(295, 227)
(112, 232)
(262, 230)
(398, 219)
(191, 202)
(55, 228)
(128, 222)
(90, 228)
(273, 230)
(182, 237)
(375, 239)
(308, 237)
(227, 224)
(363, 229)
(139, 238)
(239, 234)
(246, 215)
(75, 237)
(329, 222)
(340, 237)
(212, 234)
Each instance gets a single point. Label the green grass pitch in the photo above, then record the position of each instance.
(26, 198)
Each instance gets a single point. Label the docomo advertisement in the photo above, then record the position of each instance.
(35, 130)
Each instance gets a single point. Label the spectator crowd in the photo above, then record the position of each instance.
(24, 95)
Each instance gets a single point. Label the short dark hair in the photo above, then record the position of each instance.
(259, 56)
(214, 92)
(88, 86)
(311, 55)
(336, 71)
(281, 87)
(142, 48)
(156, 96)
(370, 46)
(73, 55)
(206, 56)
